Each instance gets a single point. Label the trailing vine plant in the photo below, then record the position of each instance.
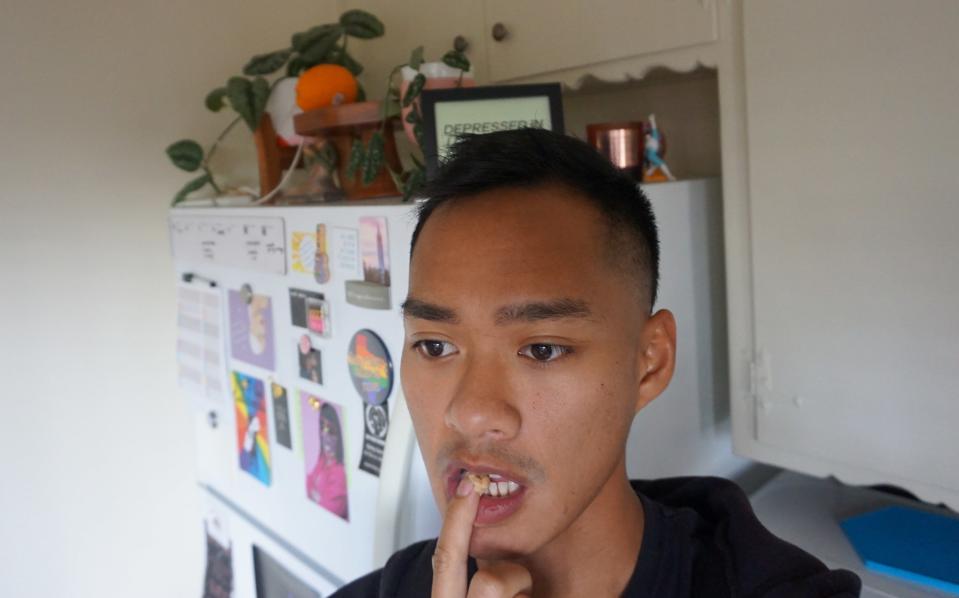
(247, 94)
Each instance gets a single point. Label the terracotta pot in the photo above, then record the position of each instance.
(438, 76)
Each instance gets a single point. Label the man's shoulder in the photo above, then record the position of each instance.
(714, 519)
(409, 572)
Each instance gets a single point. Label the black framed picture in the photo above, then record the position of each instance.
(448, 113)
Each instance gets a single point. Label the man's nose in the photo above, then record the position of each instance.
(482, 407)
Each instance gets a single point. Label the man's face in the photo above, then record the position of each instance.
(522, 358)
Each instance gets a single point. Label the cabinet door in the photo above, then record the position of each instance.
(853, 133)
(429, 23)
(551, 36)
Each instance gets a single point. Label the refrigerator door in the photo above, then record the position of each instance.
(312, 337)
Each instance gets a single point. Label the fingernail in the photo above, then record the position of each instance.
(464, 488)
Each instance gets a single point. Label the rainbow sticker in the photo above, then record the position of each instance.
(252, 438)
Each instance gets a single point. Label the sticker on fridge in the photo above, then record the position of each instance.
(252, 432)
(324, 455)
(251, 328)
(218, 578)
(321, 261)
(374, 290)
(345, 249)
(371, 370)
(200, 367)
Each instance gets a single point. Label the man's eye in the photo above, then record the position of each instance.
(429, 348)
(544, 352)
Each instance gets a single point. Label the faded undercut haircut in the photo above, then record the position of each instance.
(530, 157)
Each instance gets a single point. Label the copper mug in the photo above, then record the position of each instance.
(621, 143)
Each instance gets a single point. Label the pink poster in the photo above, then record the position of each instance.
(324, 454)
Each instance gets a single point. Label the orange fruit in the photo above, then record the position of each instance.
(325, 85)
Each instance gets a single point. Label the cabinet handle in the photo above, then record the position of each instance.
(500, 32)
(460, 44)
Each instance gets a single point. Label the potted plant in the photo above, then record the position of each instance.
(247, 94)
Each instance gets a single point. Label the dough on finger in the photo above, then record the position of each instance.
(480, 482)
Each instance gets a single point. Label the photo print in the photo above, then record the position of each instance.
(218, 578)
(324, 454)
(321, 261)
(310, 359)
(251, 328)
(374, 290)
(252, 429)
(310, 310)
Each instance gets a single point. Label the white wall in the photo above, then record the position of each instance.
(96, 451)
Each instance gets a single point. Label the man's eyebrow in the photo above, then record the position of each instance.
(543, 310)
(414, 308)
(519, 312)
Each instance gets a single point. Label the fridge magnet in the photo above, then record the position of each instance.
(323, 448)
(374, 290)
(252, 438)
(304, 252)
(371, 370)
(310, 310)
(274, 581)
(218, 578)
(345, 245)
(321, 261)
(311, 366)
(281, 415)
(656, 169)
(251, 328)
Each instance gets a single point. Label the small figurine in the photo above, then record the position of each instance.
(656, 169)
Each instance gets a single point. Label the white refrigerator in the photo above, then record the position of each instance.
(288, 347)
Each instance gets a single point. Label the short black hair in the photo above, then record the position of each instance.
(532, 157)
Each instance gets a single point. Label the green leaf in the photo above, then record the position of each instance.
(341, 57)
(248, 98)
(185, 154)
(190, 188)
(414, 181)
(327, 155)
(457, 60)
(265, 64)
(302, 41)
(320, 51)
(295, 66)
(413, 91)
(416, 58)
(357, 158)
(374, 158)
(418, 133)
(214, 99)
(361, 24)
(360, 93)
(413, 117)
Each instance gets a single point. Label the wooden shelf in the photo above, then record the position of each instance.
(316, 123)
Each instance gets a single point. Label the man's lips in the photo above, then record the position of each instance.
(492, 508)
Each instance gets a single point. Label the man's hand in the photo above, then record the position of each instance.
(498, 579)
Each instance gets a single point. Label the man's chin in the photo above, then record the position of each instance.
(491, 545)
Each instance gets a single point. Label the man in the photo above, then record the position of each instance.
(530, 346)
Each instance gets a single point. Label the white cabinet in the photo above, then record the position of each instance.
(542, 37)
(841, 219)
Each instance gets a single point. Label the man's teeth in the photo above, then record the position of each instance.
(498, 486)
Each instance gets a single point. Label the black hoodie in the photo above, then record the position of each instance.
(701, 540)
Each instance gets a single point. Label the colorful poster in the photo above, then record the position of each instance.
(252, 431)
(372, 372)
(281, 415)
(374, 290)
(251, 328)
(324, 455)
(304, 252)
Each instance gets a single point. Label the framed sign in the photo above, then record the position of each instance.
(449, 113)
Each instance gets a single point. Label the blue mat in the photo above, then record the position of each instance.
(910, 544)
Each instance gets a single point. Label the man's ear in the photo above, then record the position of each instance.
(657, 356)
